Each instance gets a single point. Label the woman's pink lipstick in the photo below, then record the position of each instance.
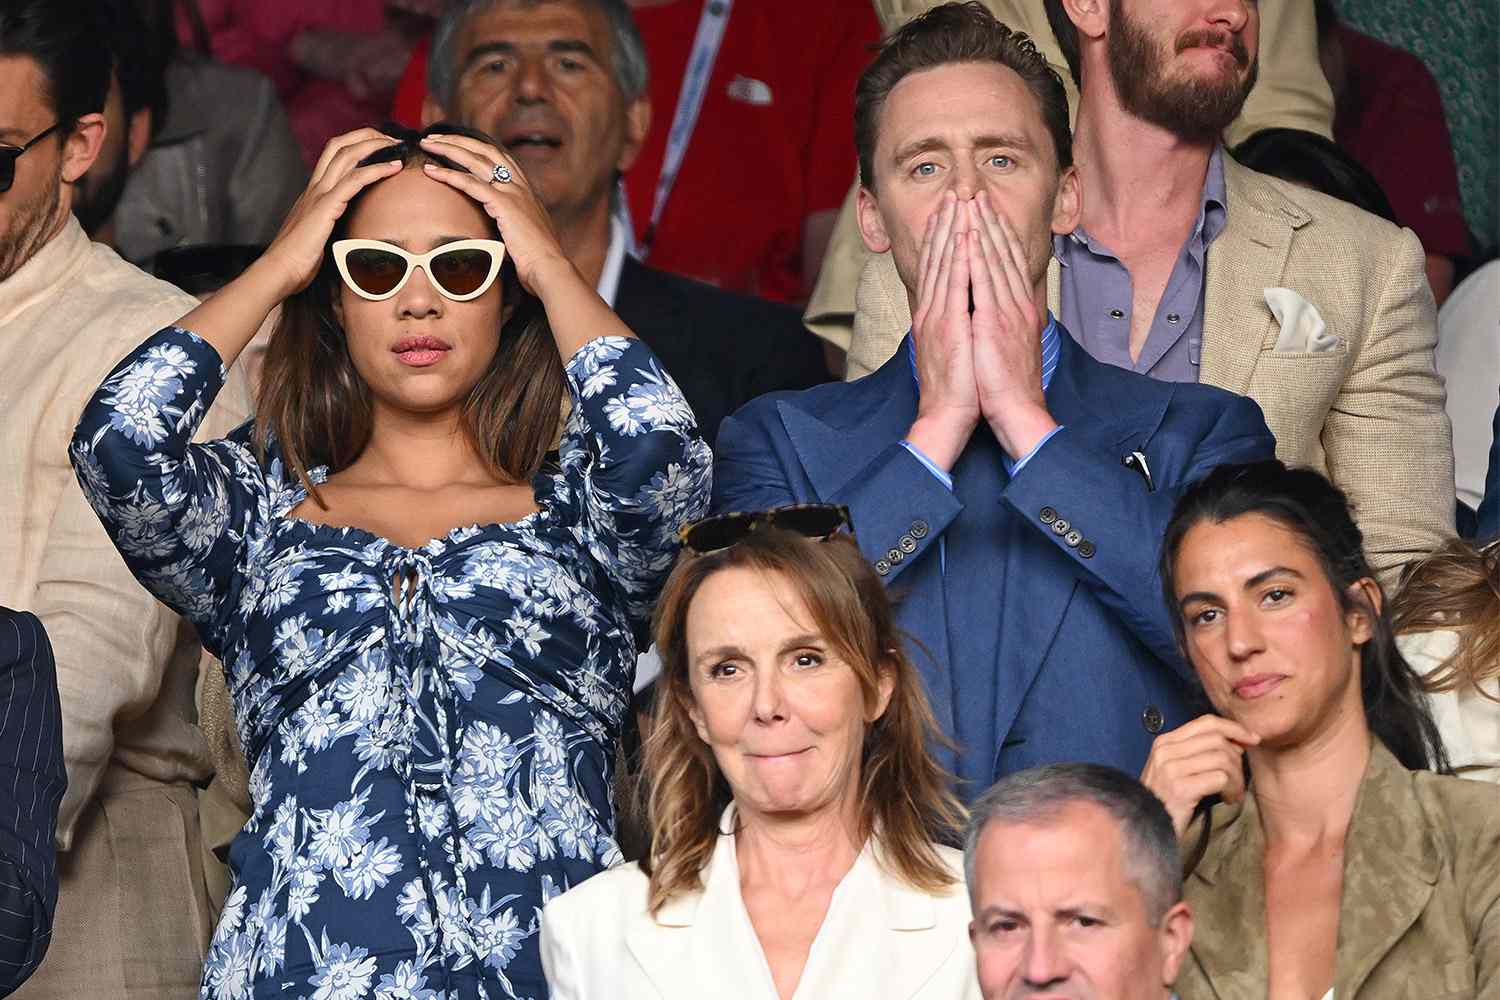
(1257, 685)
(419, 352)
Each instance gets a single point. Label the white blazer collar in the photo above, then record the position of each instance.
(670, 949)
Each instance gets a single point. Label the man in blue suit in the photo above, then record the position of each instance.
(1010, 489)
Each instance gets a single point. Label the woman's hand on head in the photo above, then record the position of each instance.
(525, 227)
(1202, 758)
(296, 254)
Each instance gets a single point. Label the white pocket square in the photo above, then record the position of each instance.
(1302, 328)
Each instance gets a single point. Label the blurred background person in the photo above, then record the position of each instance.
(196, 153)
(1447, 623)
(1468, 357)
(1347, 863)
(1076, 883)
(1316, 162)
(335, 63)
(792, 798)
(1389, 116)
(562, 85)
(31, 764)
(751, 108)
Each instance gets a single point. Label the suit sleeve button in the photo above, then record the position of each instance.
(1048, 515)
(1060, 526)
(907, 544)
(882, 567)
(895, 556)
(1072, 538)
(919, 529)
(1086, 549)
(1153, 720)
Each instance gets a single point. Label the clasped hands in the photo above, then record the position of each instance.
(977, 331)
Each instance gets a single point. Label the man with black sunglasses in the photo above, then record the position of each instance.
(1010, 488)
(132, 912)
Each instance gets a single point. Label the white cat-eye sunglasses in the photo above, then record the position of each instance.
(461, 270)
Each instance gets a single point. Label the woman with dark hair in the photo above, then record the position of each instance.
(425, 582)
(1337, 864)
(1447, 622)
(1310, 160)
(795, 812)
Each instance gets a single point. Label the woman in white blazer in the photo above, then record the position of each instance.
(794, 811)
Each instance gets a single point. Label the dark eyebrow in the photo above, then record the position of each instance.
(911, 149)
(573, 45)
(1250, 584)
(1008, 140)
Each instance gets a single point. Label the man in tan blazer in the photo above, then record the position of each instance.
(133, 914)
(1290, 92)
(1188, 267)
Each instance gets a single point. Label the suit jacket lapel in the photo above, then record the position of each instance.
(1390, 867)
(1233, 962)
(694, 938)
(1038, 591)
(832, 454)
(1248, 256)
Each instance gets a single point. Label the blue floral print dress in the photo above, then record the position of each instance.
(431, 731)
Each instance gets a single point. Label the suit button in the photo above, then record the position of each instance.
(1072, 538)
(1048, 515)
(1060, 526)
(907, 544)
(895, 556)
(1152, 719)
(1086, 549)
(919, 529)
(882, 567)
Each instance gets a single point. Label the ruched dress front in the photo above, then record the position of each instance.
(430, 730)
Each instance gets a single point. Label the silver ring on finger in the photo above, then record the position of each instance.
(501, 174)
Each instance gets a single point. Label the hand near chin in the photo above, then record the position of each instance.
(1202, 758)
(296, 254)
(1007, 332)
(525, 227)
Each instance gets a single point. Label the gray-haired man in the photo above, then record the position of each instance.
(1076, 883)
(562, 85)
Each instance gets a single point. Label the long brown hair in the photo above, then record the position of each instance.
(319, 410)
(1456, 587)
(905, 795)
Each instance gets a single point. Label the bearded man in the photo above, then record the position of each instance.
(1188, 267)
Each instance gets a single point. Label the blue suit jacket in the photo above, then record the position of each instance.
(32, 781)
(1086, 664)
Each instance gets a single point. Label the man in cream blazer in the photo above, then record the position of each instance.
(1291, 92)
(1318, 311)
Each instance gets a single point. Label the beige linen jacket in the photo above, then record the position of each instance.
(1368, 414)
(1420, 913)
(881, 940)
(1289, 93)
(132, 915)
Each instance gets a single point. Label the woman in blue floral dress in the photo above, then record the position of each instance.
(424, 598)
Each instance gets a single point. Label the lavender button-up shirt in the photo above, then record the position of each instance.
(1097, 300)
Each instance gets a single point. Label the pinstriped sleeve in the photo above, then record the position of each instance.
(32, 781)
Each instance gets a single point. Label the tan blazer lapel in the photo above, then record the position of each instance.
(1229, 908)
(1249, 256)
(1390, 867)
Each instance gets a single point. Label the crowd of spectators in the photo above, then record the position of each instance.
(666, 498)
